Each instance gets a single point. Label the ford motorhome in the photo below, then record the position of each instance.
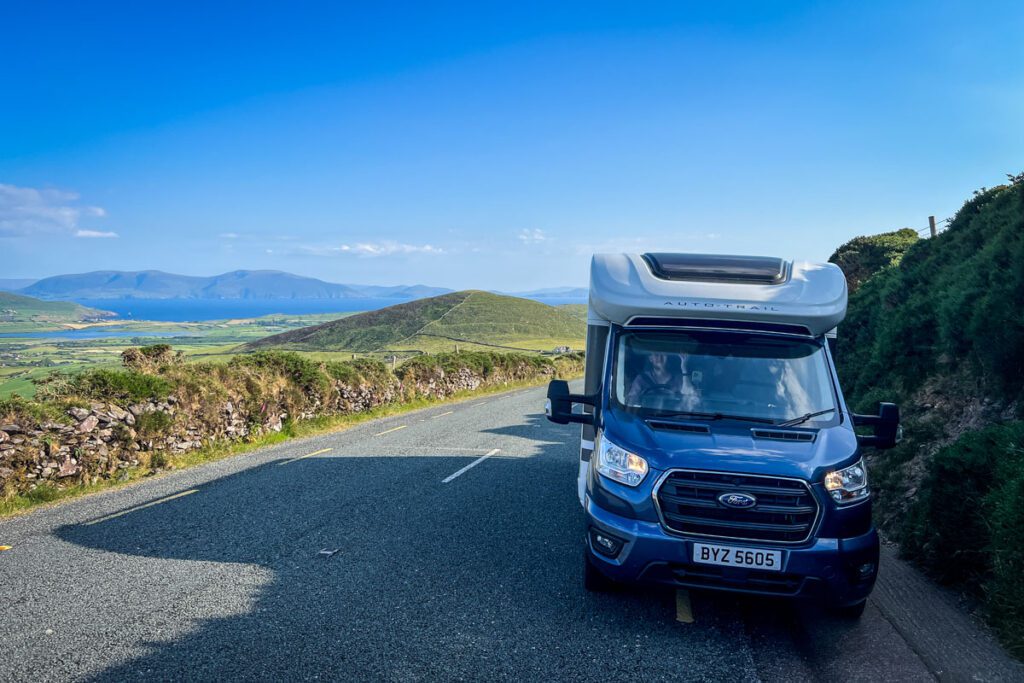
(717, 450)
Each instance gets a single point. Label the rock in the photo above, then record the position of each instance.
(3, 437)
(11, 429)
(78, 413)
(129, 420)
(88, 424)
(45, 474)
(136, 409)
(117, 412)
(68, 468)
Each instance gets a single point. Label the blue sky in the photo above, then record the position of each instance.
(486, 145)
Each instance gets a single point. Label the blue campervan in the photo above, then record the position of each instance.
(717, 451)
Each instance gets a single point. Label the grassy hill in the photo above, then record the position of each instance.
(468, 316)
(941, 332)
(15, 308)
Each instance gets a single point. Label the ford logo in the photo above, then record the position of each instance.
(737, 500)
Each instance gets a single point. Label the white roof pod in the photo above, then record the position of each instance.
(738, 292)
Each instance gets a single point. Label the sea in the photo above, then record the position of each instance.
(198, 310)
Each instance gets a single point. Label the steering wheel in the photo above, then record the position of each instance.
(661, 390)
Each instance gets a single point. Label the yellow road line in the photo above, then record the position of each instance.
(141, 507)
(307, 455)
(443, 414)
(393, 429)
(684, 611)
(4, 547)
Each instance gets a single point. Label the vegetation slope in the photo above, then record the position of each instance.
(18, 308)
(940, 331)
(470, 316)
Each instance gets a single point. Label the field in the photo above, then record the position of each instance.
(25, 359)
(481, 323)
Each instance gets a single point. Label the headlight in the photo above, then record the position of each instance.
(848, 485)
(619, 464)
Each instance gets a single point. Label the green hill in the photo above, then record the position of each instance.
(470, 316)
(17, 308)
(942, 333)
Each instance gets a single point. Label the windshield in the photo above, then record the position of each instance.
(773, 379)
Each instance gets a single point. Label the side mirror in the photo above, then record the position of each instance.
(558, 406)
(888, 432)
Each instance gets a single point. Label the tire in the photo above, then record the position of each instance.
(851, 612)
(594, 581)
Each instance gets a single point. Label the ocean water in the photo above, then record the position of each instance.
(194, 310)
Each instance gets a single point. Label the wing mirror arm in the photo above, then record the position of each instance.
(558, 407)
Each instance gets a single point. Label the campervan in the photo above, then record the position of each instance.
(717, 450)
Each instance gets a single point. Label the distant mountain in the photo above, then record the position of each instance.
(399, 291)
(239, 284)
(18, 308)
(13, 285)
(472, 316)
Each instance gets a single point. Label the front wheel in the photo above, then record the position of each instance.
(851, 612)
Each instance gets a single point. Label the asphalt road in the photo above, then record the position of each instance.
(217, 573)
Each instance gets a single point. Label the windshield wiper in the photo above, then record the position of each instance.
(719, 416)
(804, 418)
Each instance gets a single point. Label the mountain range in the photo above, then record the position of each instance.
(239, 284)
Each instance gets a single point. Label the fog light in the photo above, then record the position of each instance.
(604, 544)
(866, 571)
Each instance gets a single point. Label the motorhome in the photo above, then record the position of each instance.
(717, 450)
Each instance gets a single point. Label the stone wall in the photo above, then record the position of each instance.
(100, 439)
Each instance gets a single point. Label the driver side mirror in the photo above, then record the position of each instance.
(888, 431)
(558, 406)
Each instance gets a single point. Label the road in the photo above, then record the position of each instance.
(453, 538)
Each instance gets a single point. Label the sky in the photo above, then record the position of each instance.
(489, 145)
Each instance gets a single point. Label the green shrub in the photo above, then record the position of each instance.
(863, 257)
(304, 372)
(967, 523)
(128, 385)
(951, 302)
(156, 423)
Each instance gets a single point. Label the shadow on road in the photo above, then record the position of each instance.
(479, 578)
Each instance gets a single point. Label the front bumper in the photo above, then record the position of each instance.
(827, 568)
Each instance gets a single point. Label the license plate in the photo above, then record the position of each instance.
(770, 560)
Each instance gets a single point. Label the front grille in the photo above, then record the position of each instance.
(785, 511)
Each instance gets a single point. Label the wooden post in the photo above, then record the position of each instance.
(393, 359)
(456, 348)
(931, 225)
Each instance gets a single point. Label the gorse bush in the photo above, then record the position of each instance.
(952, 300)
(863, 257)
(123, 385)
(967, 525)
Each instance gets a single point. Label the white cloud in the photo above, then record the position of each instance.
(532, 236)
(95, 234)
(229, 235)
(372, 249)
(26, 211)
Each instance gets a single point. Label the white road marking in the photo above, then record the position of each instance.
(307, 455)
(471, 465)
(442, 414)
(141, 507)
(393, 429)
